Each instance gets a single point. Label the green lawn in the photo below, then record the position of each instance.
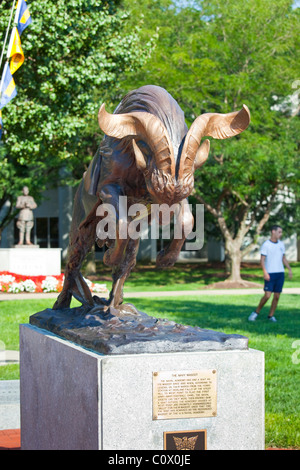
(222, 313)
(187, 276)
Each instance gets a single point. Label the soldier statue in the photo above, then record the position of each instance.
(25, 220)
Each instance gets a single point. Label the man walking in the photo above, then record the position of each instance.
(273, 261)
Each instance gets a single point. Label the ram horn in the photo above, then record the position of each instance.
(141, 125)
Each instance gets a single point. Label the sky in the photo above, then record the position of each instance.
(184, 3)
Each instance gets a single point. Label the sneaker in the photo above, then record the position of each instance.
(273, 319)
(253, 316)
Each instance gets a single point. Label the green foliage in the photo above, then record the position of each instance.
(76, 51)
(254, 45)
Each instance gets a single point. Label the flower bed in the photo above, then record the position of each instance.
(15, 283)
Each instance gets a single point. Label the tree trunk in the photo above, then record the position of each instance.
(235, 255)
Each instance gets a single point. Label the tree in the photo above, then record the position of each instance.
(217, 56)
(75, 51)
(247, 178)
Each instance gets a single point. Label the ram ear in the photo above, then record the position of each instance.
(202, 154)
(139, 157)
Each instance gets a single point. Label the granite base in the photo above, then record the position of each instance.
(75, 399)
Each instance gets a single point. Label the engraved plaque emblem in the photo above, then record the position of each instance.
(185, 440)
(185, 443)
(184, 394)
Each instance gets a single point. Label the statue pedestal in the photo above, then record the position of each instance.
(28, 247)
(30, 260)
(74, 398)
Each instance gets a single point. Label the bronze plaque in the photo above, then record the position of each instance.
(184, 394)
(185, 440)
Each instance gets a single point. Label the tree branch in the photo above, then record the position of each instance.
(240, 198)
(218, 215)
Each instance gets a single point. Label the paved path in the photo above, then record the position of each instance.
(177, 293)
(8, 357)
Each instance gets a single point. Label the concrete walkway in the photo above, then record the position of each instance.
(177, 293)
(9, 357)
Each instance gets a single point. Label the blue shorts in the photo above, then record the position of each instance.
(275, 283)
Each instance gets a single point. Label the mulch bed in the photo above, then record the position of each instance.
(10, 439)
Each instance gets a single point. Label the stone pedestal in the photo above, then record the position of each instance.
(31, 261)
(73, 398)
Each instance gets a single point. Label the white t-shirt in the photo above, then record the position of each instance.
(274, 253)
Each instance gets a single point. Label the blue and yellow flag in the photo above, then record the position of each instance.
(1, 124)
(15, 51)
(8, 87)
(22, 18)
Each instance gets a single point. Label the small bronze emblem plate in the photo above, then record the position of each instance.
(184, 394)
(185, 440)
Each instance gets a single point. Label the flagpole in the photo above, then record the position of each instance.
(3, 75)
(7, 31)
(10, 45)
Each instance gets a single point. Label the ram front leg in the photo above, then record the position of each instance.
(121, 273)
(114, 225)
(183, 227)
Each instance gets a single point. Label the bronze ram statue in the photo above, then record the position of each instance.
(149, 155)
